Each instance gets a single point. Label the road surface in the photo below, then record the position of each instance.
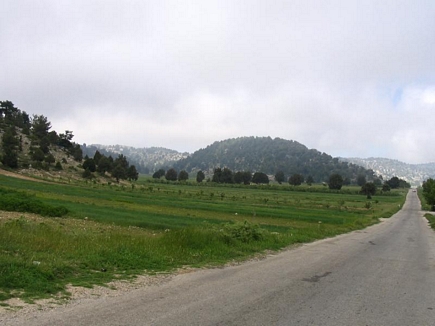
(383, 275)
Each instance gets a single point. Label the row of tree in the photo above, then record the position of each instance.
(119, 168)
(172, 175)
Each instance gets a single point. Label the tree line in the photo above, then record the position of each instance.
(335, 181)
(119, 168)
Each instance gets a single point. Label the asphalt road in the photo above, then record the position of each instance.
(383, 275)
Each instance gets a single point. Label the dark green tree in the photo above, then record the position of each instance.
(394, 182)
(296, 179)
(103, 165)
(200, 176)
(77, 153)
(246, 177)
(171, 175)
(369, 189)
(223, 175)
(260, 177)
(183, 175)
(44, 144)
(279, 177)
(335, 181)
(122, 161)
(159, 173)
(429, 192)
(53, 138)
(38, 155)
(227, 176)
(132, 173)
(217, 175)
(10, 144)
(40, 126)
(404, 184)
(89, 164)
(97, 157)
(119, 172)
(65, 140)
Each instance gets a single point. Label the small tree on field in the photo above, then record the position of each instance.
(260, 177)
(394, 182)
(158, 174)
(369, 189)
(171, 175)
(335, 181)
(296, 179)
(279, 177)
(132, 173)
(119, 172)
(183, 175)
(200, 176)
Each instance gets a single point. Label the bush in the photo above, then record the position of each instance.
(244, 232)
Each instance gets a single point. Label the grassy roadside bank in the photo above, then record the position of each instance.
(113, 232)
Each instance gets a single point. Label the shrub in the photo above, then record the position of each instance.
(244, 232)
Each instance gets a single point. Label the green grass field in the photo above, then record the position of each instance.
(113, 231)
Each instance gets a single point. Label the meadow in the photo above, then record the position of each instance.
(104, 231)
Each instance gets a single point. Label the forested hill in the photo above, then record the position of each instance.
(264, 154)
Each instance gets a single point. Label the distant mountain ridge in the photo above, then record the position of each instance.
(415, 174)
(145, 159)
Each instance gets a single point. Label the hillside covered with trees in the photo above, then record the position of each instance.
(270, 156)
(28, 143)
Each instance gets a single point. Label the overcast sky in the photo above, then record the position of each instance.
(349, 78)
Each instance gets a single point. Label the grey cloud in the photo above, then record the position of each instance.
(183, 74)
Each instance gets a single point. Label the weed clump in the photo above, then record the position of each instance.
(244, 232)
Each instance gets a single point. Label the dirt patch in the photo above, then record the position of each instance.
(18, 176)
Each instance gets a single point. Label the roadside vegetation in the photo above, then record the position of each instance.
(106, 231)
(427, 197)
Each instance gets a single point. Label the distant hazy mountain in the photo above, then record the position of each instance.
(415, 174)
(268, 155)
(146, 160)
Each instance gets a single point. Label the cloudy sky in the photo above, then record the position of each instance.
(349, 78)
